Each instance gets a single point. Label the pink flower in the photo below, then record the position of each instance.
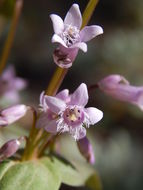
(10, 148)
(119, 88)
(67, 113)
(12, 114)
(10, 85)
(69, 37)
(86, 150)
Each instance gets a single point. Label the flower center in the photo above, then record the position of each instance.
(70, 35)
(73, 116)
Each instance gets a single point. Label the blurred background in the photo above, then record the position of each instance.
(118, 138)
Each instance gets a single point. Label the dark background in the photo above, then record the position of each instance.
(118, 138)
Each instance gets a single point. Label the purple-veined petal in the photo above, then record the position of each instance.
(51, 127)
(58, 39)
(80, 96)
(80, 45)
(58, 23)
(63, 95)
(55, 104)
(94, 114)
(73, 16)
(89, 32)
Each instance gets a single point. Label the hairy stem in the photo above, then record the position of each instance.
(11, 34)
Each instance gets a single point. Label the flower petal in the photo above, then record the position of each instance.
(58, 39)
(51, 127)
(78, 132)
(80, 96)
(42, 121)
(63, 95)
(89, 32)
(94, 114)
(55, 104)
(9, 73)
(80, 45)
(19, 83)
(58, 23)
(73, 16)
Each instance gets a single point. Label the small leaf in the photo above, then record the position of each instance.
(30, 175)
(94, 182)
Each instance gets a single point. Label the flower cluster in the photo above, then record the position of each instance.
(63, 112)
(67, 113)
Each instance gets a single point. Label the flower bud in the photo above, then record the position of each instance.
(12, 114)
(119, 88)
(86, 150)
(10, 148)
(64, 57)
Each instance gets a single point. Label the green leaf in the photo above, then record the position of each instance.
(94, 182)
(73, 175)
(67, 173)
(4, 166)
(30, 175)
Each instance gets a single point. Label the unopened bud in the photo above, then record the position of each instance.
(86, 150)
(119, 88)
(12, 114)
(10, 148)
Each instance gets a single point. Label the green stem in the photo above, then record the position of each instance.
(88, 12)
(32, 135)
(11, 34)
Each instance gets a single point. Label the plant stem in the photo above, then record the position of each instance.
(56, 81)
(11, 34)
(88, 12)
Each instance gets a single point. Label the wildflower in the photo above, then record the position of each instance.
(69, 37)
(10, 148)
(12, 114)
(119, 88)
(10, 85)
(67, 113)
(86, 150)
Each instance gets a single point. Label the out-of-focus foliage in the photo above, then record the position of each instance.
(6, 7)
